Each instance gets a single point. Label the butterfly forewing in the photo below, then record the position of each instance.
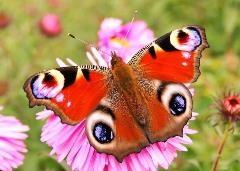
(173, 57)
(71, 92)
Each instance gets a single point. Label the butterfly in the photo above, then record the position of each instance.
(127, 106)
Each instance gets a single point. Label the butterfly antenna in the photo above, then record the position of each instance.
(130, 28)
(87, 43)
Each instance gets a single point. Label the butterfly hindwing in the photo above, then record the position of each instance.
(112, 129)
(71, 92)
(170, 108)
(173, 57)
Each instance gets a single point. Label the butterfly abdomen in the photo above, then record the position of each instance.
(126, 81)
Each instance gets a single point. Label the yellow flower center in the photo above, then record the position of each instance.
(119, 41)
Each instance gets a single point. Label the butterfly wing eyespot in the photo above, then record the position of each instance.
(47, 85)
(186, 39)
(170, 108)
(176, 99)
(100, 129)
(66, 90)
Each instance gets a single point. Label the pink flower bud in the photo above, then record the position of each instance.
(50, 25)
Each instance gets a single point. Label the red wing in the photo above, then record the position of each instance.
(164, 121)
(173, 57)
(169, 107)
(71, 92)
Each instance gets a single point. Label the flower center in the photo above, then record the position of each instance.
(233, 102)
(119, 41)
(233, 105)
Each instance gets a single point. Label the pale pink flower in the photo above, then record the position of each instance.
(12, 147)
(50, 25)
(125, 39)
(70, 143)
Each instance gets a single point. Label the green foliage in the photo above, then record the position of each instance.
(24, 51)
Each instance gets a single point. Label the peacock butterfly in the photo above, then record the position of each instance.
(128, 105)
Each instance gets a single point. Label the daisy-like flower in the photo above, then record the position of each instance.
(70, 143)
(125, 39)
(12, 147)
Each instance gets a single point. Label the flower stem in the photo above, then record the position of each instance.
(228, 129)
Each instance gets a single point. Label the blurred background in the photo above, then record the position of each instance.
(25, 50)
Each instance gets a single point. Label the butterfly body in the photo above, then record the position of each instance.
(126, 82)
(130, 105)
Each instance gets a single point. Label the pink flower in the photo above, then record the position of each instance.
(12, 147)
(125, 40)
(50, 25)
(70, 143)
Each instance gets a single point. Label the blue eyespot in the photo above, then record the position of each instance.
(177, 104)
(102, 133)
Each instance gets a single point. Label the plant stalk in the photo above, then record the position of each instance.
(227, 131)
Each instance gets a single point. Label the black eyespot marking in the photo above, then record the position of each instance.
(194, 29)
(86, 74)
(160, 90)
(182, 34)
(102, 133)
(69, 74)
(106, 109)
(34, 78)
(164, 42)
(159, 93)
(48, 78)
(177, 104)
(152, 52)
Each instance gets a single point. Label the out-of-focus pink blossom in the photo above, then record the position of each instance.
(125, 39)
(4, 20)
(12, 147)
(50, 25)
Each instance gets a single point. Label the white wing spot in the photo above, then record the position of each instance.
(69, 104)
(60, 97)
(186, 55)
(184, 64)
